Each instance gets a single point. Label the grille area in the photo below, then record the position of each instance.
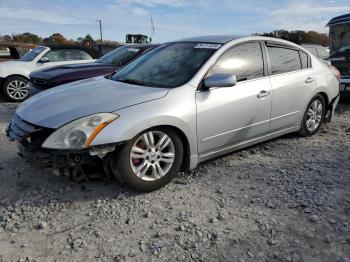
(28, 135)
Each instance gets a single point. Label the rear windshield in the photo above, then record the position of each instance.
(120, 56)
(32, 54)
(167, 66)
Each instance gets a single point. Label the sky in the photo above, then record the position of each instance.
(173, 19)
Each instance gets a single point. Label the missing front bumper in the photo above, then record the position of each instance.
(77, 165)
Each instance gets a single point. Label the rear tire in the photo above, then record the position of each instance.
(150, 160)
(14, 88)
(313, 116)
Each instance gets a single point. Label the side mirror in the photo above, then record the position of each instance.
(220, 80)
(44, 60)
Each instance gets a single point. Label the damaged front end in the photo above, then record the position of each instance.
(77, 164)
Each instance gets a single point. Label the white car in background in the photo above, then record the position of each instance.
(14, 75)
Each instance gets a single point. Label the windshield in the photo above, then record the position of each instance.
(120, 56)
(32, 54)
(168, 66)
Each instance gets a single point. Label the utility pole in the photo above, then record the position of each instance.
(152, 28)
(100, 21)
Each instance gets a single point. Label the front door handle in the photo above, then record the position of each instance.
(263, 93)
(309, 80)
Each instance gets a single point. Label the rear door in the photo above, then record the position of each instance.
(231, 115)
(292, 79)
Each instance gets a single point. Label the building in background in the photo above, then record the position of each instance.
(137, 39)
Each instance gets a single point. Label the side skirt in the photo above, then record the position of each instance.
(232, 148)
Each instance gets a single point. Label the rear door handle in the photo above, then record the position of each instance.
(309, 80)
(263, 93)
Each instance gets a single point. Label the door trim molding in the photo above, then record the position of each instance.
(289, 114)
(246, 143)
(232, 131)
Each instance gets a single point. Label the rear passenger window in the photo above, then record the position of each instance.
(245, 61)
(283, 60)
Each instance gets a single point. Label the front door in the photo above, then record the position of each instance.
(232, 115)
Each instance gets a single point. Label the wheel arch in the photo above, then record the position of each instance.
(187, 151)
(14, 75)
(325, 97)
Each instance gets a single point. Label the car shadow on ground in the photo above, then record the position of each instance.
(2, 98)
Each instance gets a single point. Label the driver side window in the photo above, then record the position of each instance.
(245, 61)
(67, 55)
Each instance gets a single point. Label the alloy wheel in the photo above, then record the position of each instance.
(152, 155)
(314, 115)
(17, 90)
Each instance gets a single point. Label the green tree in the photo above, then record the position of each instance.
(80, 40)
(56, 38)
(300, 37)
(88, 37)
(27, 38)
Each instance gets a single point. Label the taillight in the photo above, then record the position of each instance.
(335, 72)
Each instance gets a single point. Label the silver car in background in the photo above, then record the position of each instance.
(178, 105)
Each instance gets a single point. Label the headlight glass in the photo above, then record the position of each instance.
(79, 133)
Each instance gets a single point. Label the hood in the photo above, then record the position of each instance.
(62, 69)
(73, 71)
(60, 105)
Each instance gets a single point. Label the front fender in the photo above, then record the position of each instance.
(135, 119)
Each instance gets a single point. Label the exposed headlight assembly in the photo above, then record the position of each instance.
(79, 134)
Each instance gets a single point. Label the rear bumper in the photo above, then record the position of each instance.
(345, 80)
(345, 85)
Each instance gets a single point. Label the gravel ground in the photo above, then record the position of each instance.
(284, 200)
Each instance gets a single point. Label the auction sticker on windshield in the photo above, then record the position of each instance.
(208, 46)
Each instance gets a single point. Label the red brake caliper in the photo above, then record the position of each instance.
(137, 161)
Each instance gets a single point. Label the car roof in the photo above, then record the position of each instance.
(215, 39)
(341, 19)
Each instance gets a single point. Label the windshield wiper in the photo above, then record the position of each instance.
(130, 81)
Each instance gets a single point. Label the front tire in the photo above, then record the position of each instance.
(14, 88)
(313, 116)
(150, 160)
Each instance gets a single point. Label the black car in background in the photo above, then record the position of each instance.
(339, 35)
(107, 64)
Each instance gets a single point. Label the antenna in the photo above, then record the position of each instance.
(152, 27)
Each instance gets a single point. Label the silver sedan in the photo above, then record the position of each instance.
(176, 106)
